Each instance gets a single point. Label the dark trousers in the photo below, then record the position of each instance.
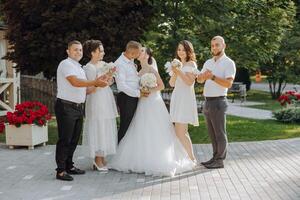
(214, 112)
(69, 119)
(127, 106)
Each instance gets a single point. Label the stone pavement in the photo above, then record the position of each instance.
(239, 109)
(265, 87)
(253, 170)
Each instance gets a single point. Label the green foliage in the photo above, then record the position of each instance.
(252, 29)
(288, 115)
(40, 30)
(285, 66)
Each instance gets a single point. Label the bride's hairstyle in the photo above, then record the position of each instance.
(189, 49)
(151, 60)
(90, 46)
(149, 52)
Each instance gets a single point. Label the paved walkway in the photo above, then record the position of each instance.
(239, 109)
(265, 87)
(254, 170)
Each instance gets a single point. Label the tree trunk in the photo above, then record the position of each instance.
(276, 91)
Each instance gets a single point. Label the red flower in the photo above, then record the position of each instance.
(29, 113)
(289, 97)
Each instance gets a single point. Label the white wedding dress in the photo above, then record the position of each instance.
(150, 145)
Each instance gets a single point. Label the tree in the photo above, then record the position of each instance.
(285, 66)
(253, 30)
(40, 30)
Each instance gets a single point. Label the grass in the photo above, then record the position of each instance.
(263, 97)
(239, 129)
(243, 129)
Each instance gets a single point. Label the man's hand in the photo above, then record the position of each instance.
(101, 81)
(204, 76)
(208, 74)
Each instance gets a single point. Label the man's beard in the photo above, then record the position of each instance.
(216, 54)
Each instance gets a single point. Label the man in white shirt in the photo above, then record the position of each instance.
(218, 74)
(69, 109)
(128, 85)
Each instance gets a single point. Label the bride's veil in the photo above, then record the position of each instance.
(154, 64)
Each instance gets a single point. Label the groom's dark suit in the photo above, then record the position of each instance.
(128, 85)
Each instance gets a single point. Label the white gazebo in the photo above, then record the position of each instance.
(9, 78)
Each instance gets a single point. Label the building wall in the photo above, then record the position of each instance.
(5, 66)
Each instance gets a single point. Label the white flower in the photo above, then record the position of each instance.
(148, 80)
(175, 63)
(108, 68)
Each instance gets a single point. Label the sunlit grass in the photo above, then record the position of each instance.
(263, 97)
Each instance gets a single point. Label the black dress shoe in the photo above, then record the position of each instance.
(215, 165)
(208, 162)
(75, 171)
(64, 177)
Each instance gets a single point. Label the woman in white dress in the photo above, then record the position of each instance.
(183, 105)
(150, 145)
(100, 129)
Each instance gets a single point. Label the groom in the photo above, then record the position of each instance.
(218, 74)
(128, 85)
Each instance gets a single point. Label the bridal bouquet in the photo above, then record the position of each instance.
(175, 63)
(108, 68)
(148, 81)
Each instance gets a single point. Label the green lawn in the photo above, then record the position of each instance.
(264, 97)
(243, 129)
(239, 129)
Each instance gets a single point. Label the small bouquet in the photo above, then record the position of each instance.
(109, 69)
(175, 63)
(148, 81)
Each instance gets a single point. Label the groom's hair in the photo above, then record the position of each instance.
(220, 38)
(133, 45)
(73, 42)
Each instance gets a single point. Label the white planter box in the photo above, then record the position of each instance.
(26, 135)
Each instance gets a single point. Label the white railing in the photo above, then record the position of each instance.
(9, 93)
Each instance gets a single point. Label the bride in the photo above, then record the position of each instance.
(150, 145)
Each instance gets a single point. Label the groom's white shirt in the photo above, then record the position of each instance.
(127, 78)
(224, 67)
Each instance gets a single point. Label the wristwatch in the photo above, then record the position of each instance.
(213, 77)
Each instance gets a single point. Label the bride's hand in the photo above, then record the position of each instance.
(175, 70)
(144, 93)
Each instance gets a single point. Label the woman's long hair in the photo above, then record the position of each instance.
(189, 49)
